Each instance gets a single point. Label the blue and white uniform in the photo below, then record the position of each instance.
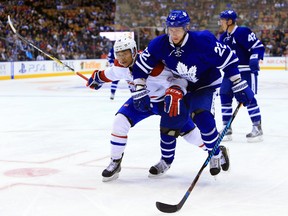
(114, 84)
(250, 51)
(127, 116)
(246, 46)
(111, 57)
(199, 59)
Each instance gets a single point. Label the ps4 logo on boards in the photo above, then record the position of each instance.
(32, 68)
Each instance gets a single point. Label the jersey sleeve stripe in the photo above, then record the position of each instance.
(142, 68)
(231, 62)
(144, 63)
(257, 44)
(228, 61)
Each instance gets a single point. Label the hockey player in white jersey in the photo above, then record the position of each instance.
(161, 84)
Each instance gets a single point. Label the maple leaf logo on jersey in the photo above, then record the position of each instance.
(190, 74)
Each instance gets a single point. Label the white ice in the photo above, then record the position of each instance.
(54, 144)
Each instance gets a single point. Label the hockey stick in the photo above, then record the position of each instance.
(167, 208)
(46, 54)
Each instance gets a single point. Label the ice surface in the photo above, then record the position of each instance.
(54, 144)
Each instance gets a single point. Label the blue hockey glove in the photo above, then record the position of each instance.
(141, 99)
(172, 99)
(254, 63)
(242, 92)
(94, 81)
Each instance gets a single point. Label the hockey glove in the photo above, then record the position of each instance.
(172, 99)
(242, 92)
(254, 63)
(94, 81)
(141, 99)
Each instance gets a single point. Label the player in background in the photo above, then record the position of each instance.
(250, 51)
(114, 84)
(160, 85)
(197, 57)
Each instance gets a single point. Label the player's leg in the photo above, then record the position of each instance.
(167, 146)
(113, 89)
(125, 118)
(192, 135)
(170, 129)
(203, 116)
(226, 98)
(253, 110)
(119, 136)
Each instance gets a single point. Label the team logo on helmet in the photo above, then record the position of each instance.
(228, 14)
(178, 18)
(125, 43)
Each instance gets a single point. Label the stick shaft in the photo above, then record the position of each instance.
(167, 208)
(46, 54)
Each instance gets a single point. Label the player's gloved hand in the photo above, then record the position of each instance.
(173, 96)
(242, 92)
(141, 99)
(94, 81)
(254, 63)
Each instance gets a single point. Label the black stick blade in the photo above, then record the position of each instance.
(166, 207)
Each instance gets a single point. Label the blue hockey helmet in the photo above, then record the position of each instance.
(228, 14)
(178, 18)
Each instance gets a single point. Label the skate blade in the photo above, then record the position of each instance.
(227, 138)
(228, 154)
(156, 176)
(255, 139)
(114, 177)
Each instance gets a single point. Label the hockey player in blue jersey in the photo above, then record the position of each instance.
(249, 50)
(198, 57)
(114, 84)
(161, 82)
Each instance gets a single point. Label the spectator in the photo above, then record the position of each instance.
(40, 57)
(73, 24)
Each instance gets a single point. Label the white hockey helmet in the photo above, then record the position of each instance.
(125, 43)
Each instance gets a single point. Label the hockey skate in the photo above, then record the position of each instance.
(220, 161)
(112, 96)
(215, 164)
(112, 171)
(256, 134)
(228, 135)
(224, 159)
(159, 169)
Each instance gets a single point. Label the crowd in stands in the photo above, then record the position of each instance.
(148, 17)
(64, 29)
(70, 29)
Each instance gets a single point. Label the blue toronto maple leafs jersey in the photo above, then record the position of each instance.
(244, 43)
(199, 59)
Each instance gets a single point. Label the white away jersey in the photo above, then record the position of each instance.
(159, 80)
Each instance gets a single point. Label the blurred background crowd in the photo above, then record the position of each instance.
(70, 29)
